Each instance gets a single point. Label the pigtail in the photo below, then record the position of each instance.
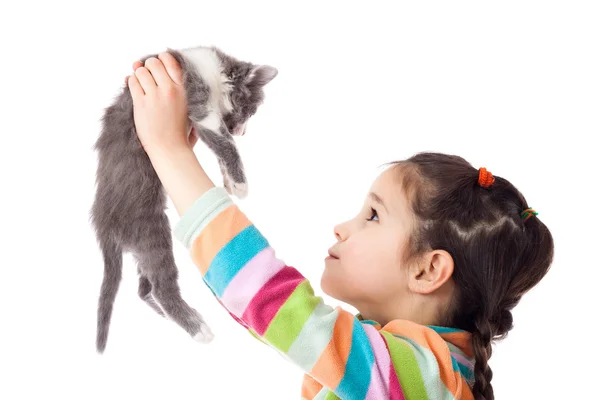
(482, 349)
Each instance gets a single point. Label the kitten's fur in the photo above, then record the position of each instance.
(128, 210)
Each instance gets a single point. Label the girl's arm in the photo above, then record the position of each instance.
(181, 174)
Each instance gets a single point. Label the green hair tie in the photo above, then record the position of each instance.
(528, 214)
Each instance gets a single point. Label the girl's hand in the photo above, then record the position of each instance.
(160, 105)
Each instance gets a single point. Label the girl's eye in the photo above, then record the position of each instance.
(373, 214)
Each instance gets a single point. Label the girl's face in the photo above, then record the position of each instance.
(366, 268)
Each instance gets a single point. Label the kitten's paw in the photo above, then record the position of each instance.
(205, 335)
(240, 190)
(226, 182)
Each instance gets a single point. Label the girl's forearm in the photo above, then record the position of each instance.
(181, 174)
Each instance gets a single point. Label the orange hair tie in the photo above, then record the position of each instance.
(485, 178)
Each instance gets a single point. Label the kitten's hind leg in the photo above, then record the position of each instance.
(158, 263)
(167, 294)
(145, 293)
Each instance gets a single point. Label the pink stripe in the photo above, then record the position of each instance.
(379, 387)
(462, 360)
(273, 295)
(239, 321)
(395, 389)
(248, 281)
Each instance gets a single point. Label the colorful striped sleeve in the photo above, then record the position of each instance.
(353, 359)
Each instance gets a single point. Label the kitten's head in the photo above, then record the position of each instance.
(246, 82)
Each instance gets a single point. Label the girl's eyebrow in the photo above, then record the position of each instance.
(378, 200)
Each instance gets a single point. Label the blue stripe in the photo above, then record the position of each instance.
(357, 377)
(443, 329)
(232, 258)
(455, 366)
(465, 371)
(369, 322)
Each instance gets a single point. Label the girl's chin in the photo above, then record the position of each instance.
(330, 287)
(326, 284)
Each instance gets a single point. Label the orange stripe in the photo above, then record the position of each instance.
(464, 391)
(224, 227)
(431, 340)
(310, 387)
(460, 340)
(330, 367)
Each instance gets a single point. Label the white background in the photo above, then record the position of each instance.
(513, 86)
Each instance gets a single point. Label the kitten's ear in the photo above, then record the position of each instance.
(262, 74)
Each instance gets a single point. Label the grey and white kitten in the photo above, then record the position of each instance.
(128, 211)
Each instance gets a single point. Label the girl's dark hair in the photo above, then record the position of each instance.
(497, 255)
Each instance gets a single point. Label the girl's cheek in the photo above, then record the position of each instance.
(353, 252)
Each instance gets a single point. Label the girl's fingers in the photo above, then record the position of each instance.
(172, 66)
(158, 71)
(135, 88)
(146, 80)
(134, 66)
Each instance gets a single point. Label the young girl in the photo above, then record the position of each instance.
(435, 261)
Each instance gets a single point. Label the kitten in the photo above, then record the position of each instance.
(128, 211)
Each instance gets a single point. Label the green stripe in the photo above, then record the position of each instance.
(331, 396)
(291, 317)
(406, 367)
(429, 367)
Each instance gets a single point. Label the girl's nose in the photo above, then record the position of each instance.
(341, 231)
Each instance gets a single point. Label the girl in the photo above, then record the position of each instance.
(435, 261)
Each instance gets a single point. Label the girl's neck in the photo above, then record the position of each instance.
(423, 310)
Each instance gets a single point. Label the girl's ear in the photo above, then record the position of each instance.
(434, 270)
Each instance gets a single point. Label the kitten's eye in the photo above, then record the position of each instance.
(373, 215)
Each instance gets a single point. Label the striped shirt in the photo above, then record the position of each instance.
(343, 356)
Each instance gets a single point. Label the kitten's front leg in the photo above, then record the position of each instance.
(214, 119)
(223, 145)
(226, 180)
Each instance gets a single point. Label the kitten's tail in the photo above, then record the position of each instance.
(113, 265)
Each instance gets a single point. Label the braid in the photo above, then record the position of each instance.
(482, 349)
